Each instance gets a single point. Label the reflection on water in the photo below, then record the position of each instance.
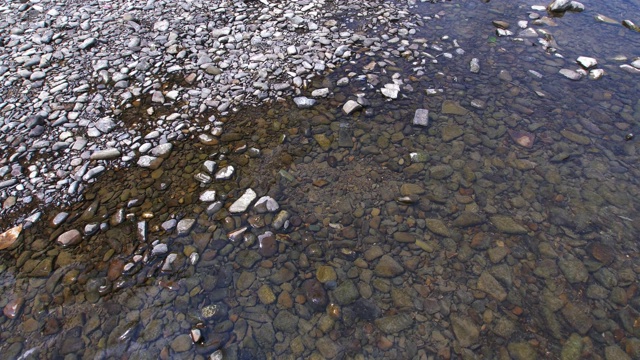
(506, 228)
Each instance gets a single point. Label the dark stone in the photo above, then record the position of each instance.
(315, 294)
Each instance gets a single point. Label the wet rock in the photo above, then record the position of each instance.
(281, 219)
(491, 286)
(570, 74)
(565, 5)
(395, 323)
(438, 227)
(225, 173)
(390, 91)
(453, 108)
(107, 154)
(474, 65)
(522, 351)
(572, 348)
(69, 238)
(346, 293)
(243, 202)
(286, 322)
(421, 117)
(10, 236)
(351, 106)
(507, 225)
(328, 348)
(440, 172)
(13, 307)
(247, 258)
(326, 273)
(245, 280)
(578, 317)
(465, 330)
(522, 138)
(580, 139)
(323, 141)
(266, 204)
(267, 244)
(315, 294)
(266, 295)
(614, 352)
(573, 269)
(587, 62)
(181, 343)
(162, 150)
(150, 162)
(451, 132)
(388, 267)
(184, 226)
(208, 196)
(467, 219)
(404, 237)
(304, 102)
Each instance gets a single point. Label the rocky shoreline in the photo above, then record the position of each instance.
(402, 193)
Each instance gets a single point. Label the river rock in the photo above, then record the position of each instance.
(10, 236)
(69, 238)
(507, 225)
(421, 117)
(465, 330)
(395, 323)
(243, 202)
(388, 267)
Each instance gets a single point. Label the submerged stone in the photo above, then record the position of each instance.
(10, 236)
(70, 238)
(421, 117)
(243, 202)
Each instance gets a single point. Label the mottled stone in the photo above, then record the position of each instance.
(395, 323)
(70, 238)
(491, 286)
(507, 225)
(465, 330)
(388, 267)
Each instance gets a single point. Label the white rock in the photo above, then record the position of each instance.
(106, 154)
(570, 74)
(243, 202)
(636, 64)
(208, 196)
(225, 173)
(596, 74)
(421, 117)
(630, 69)
(266, 203)
(324, 92)
(184, 226)
(389, 92)
(474, 65)
(528, 33)
(162, 25)
(587, 62)
(351, 106)
(162, 150)
(303, 102)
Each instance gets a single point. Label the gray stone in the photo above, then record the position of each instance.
(304, 102)
(395, 323)
(421, 117)
(243, 202)
(388, 267)
(106, 154)
(70, 238)
(465, 330)
(507, 225)
(346, 293)
(184, 226)
(351, 106)
(491, 286)
(286, 322)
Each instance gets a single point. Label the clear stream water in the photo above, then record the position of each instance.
(401, 241)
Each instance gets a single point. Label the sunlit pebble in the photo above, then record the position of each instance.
(629, 136)
(12, 309)
(333, 310)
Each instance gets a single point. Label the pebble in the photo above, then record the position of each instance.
(69, 238)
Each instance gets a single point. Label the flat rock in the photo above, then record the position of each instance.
(106, 154)
(451, 132)
(491, 286)
(184, 226)
(507, 225)
(576, 138)
(303, 102)
(438, 227)
(465, 330)
(587, 62)
(243, 202)
(395, 323)
(468, 218)
(421, 117)
(570, 74)
(351, 106)
(388, 267)
(10, 236)
(69, 238)
(453, 108)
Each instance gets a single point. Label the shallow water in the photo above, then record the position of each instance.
(400, 241)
